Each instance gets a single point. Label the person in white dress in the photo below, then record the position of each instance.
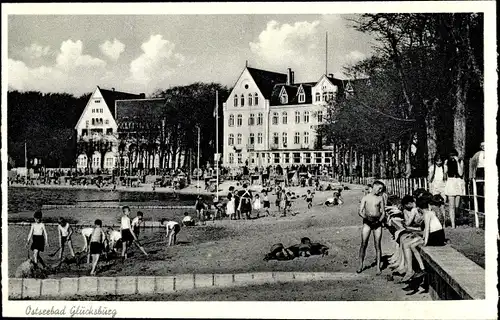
(257, 205)
(436, 177)
(230, 206)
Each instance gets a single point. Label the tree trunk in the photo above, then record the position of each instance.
(430, 123)
(382, 164)
(374, 165)
(362, 165)
(459, 120)
(407, 158)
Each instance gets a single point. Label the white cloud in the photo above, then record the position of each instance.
(354, 57)
(112, 50)
(36, 51)
(157, 61)
(72, 72)
(286, 44)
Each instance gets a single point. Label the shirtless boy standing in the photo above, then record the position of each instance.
(372, 210)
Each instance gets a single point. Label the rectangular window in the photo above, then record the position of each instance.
(256, 100)
(320, 116)
(297, 116)
(231, 158)
(318, 157)
(259, 138)
(93, 121)
(296, 157)
(287, 157)
(296, 138)
(302, 98)
(276, 157)
(240, 158)
(107, 121)
(98, 101)
(87, 123)
(276, 138)
(308, 157)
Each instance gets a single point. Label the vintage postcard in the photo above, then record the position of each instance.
(250, 160)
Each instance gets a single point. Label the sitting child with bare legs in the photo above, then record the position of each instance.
(372, 210)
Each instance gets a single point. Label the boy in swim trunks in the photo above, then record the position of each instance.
(65, 231)
(39, 236)
(128, 237)
(97, 240)
(172, 228)
(372, 210)
(309, 199)
(136, 223)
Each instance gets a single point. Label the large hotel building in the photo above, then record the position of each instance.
(269, 119)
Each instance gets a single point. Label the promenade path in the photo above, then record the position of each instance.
(239, 247)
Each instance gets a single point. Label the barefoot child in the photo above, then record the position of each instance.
(267, 204)
(231, 206)
(65, 231)
(97, 240)
(257, 205)
(372, 211)
(136, 223)
(40, 239)
(172, 228)
(309, 199)
(128, 237)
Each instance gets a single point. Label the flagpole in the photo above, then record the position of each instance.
(198, 162)
(217, 141)
(26, 158)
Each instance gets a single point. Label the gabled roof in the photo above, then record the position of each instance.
(266, 80)
(292, 92)
(150, 110)
(110, 96)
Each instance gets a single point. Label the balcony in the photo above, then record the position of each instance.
(274, 146)
(250, 146)
(306, 146)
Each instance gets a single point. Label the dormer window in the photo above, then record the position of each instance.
(284, 98)
(302, 97)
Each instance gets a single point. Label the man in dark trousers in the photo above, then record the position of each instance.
(245, 205)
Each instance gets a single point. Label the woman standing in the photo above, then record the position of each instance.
(436, 177)
(455, 185)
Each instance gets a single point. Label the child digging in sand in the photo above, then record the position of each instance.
(372, 210)
(97, 240)
(40, 239)
(128, 237)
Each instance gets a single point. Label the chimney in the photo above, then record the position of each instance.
(142, 95)
(289, 76)
(113, 89)
(330, 75)
(292, 81)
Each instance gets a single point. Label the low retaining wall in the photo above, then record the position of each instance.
(451, 275)
(111, 205)
(102, 286)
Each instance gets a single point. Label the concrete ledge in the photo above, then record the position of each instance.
(165, 284)
(32, 288)
(51, 287)
(16, 288)
(184, 282)
(68, 286)
(451, 275)
(87, 286)
(110, 286)
(146, 285)
(106, 286)
(126, 285)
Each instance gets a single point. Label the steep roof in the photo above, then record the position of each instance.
(291, 91)
(110, 96)
(145, 109)
(266, 80)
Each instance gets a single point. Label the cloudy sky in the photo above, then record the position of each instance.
(73, 53)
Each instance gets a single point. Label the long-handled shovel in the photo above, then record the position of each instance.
(54, 253)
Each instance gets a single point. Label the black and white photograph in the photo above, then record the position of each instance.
(250, 152)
